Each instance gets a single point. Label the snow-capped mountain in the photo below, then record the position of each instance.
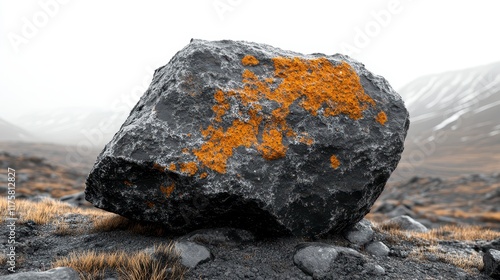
(455, 122)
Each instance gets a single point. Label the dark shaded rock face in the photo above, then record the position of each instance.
(238, 134)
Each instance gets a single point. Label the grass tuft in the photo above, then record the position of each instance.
(427, 244)
(468, 262)
(130, 266)
(44, 212)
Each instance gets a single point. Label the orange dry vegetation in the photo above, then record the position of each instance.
(321, 87)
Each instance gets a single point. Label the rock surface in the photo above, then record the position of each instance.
(315, 259)
(238, 134)
(378, 249)
(58, 273)
(361, 233)
(491, 260)
(40, 245)
(407, 223)
(192, 254)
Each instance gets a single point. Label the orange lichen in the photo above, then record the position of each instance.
(159, 167)
(381, 118)
(306, 140)
(185, 151)
(215, 152)
(203, 175)
(334, 162)
(172, 167)
(249, 60)
(221, 107)
(272, 146)
(189, 168)
(128, 183)
(336, 89)
(150, 204)
(167, 191)
(317, 85)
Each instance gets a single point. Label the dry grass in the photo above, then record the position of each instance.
(447, 232)
(46, 211)
(112, 222)
(465, 261)
(427, 244)
(460, 233)
(50, 211)
(493, 217)
(129, 266)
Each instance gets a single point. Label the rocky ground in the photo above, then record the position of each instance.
(470, 199)
(233, 254)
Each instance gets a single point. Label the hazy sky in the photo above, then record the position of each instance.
(89, 53)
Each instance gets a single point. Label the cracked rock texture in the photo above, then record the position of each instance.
(239, 134)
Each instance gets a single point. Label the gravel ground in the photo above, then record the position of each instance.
(38, 246)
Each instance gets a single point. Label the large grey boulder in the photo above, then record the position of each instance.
(58, 273)
(245, 135)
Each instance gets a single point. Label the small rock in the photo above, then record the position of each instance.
(374, 269)
(361, 233)
(348, 252)
(192, 254)
(58, 273)
(491, 260)
(220, 236)
(378, 249)
(407, 223)
(314, 258)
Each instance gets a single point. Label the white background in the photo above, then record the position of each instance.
(89, 53)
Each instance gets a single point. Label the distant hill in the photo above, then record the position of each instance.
(455, 123)
(10, 132)
(74, 126)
